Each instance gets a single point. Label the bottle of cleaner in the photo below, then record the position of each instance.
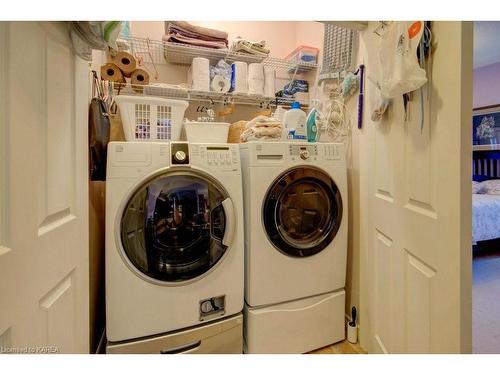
(294, 124)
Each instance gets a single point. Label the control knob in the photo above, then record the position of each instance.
(304, 154)
(180, 156)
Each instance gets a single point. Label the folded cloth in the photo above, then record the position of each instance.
(188, 34)
(262, 128)
(184, 32)
(177, 38)
(254, 48)
(218, 34)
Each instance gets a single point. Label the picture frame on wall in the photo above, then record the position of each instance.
(486, 126)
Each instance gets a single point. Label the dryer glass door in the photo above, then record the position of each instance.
(172, 228)
(302, 211)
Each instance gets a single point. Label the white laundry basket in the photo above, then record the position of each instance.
(151, 118)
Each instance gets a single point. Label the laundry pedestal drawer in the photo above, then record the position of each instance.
(220, 337)
(297, 326)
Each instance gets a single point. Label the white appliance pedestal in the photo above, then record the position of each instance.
(219, 337)
(297, 326)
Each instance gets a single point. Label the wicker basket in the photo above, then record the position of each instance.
(235, 131)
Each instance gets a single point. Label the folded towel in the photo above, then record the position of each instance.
(263, 133)
(172, 29)
(200, 30)
(177, 38)
(262, 128)
(184, 32)
(254, 48)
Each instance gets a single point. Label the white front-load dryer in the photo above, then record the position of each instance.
(174, 238)
(295, 198)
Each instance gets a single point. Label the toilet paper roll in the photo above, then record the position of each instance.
(256, 71)
(110, 72)
(199, 74)
(269, 82)
(256, 86)
(220, 83)
(239, 77)
(139, 78)
(256, 79)
(126, 62)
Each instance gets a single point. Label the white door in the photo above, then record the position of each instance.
(415, 189)
(43, 190)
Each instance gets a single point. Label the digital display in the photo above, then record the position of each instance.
(217, 148)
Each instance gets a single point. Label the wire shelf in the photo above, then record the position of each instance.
(183, 54)
(338, 49)
(160, 52)
(182, 93)
(152, 51)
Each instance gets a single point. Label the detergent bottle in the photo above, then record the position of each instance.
(294, 124)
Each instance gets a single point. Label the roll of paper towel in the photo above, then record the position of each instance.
(220, 83)
(269, 82)
(239, 77)
(256, 79)
(199, 74)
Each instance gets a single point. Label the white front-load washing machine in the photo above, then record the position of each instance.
(295, 198)
(174, 248)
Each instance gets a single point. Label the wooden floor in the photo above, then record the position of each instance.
(343, 347)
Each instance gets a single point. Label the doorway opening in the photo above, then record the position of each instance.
(486, 189)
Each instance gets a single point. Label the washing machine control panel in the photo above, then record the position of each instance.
(222, 157)
(332, 152)
(303, 152)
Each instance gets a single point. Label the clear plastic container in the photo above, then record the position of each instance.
(303, 54)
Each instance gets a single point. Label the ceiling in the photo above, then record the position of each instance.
(486, 43)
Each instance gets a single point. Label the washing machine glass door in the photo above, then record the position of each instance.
(302, 211)
(173, 227)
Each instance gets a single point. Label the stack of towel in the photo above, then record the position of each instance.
(253, 48)
(185, 33)
(262, 128)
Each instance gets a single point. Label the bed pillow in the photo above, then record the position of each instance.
(490, 187)
(477, 187)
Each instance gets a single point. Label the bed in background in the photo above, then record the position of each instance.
(486, 204)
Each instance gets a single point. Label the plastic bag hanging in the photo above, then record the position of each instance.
(401, 72)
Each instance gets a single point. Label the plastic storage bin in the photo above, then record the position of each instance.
(151, 118)
(206, 132)
(303, 54)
